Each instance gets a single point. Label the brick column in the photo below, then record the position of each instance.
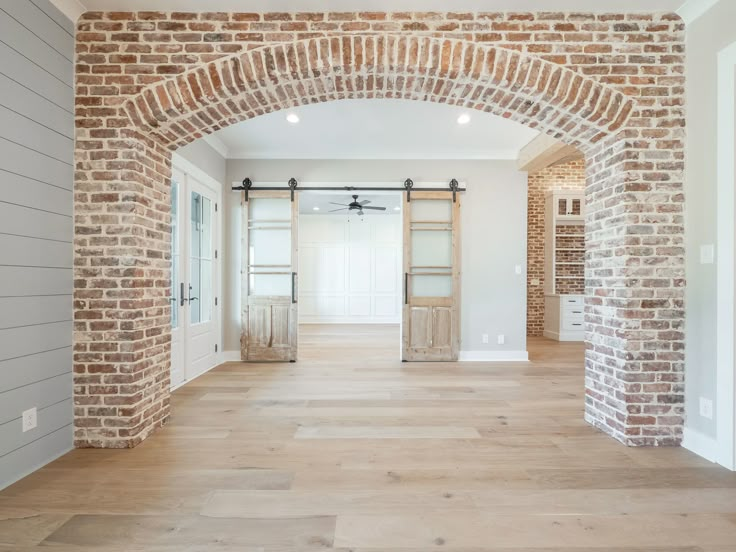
(121, 305)
(635, 288)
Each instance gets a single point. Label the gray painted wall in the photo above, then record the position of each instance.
(36, 178)
(706, 36)
(493, 229)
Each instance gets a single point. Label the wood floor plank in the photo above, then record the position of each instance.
(370, 454)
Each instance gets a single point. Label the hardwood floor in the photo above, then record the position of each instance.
(351, 450)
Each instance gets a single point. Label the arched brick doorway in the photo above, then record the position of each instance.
(633, 359)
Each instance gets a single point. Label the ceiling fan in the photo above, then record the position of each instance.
(356, 206)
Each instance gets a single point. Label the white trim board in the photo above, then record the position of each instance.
(349, 320)
(71, 8)
(726, 261)
(700, 444)
(493, 356)
(694, 9)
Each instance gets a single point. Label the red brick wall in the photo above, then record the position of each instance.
(610, 84)
(568, 176)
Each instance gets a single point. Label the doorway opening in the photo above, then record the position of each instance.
(350, 282)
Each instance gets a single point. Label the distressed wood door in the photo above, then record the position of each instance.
(269, 277)
(430, 325)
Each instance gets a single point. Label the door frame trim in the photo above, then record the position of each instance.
(726, 261)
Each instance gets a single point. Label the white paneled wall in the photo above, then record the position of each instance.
(349, 270)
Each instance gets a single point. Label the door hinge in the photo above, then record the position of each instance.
(215, 207)
(215, 253)
(215, 301)
(215, 347)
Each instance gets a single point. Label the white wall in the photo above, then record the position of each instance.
(349, 269)
(706, 36)
(36, 210)
(493, 235)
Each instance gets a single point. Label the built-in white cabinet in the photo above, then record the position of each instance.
(564, 257)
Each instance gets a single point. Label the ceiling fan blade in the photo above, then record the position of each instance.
(336, 210)
(375, 208)
(341, 204)
(365, 202)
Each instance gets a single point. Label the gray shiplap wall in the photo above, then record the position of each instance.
(36, 178)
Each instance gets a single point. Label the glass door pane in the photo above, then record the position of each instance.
(200, 259)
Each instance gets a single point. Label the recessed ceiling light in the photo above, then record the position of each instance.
(293, 118)
(397, 208)
(315, 208)
(463, 119)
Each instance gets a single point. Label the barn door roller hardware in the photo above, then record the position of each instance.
(293, 186)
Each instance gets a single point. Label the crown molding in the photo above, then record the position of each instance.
(71, 8)
(694, 9)
(217, 144)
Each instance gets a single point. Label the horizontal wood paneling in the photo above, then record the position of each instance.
(30, 369)
(29, 458)
(26, 281)
(28, 103)
(19, 190)
(50, 418)
(22, 251)
(27, 311)
(28, 340)
(36, 50)
(29, 222)
(36, 232)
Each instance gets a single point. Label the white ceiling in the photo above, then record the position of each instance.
(381, 5)
(309, 200)
(375, 129)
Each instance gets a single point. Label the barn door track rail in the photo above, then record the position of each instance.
(293, 185)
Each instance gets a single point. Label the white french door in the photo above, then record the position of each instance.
(194, 277)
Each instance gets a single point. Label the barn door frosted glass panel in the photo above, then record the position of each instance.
(431, 248)
(270, 246)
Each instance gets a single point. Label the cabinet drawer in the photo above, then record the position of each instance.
(573, 311)
(573, 325)
(571, 300)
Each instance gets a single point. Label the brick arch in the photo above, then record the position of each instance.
(537, 93)
(630, 130)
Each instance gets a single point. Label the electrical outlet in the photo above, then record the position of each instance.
(536, 281)
(485, 338)
(707, 254)
(501, 339)
(517, 269)
(30, 419)
(706, 408)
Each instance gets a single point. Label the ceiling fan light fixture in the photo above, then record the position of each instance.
(293, 118)
(463, 119)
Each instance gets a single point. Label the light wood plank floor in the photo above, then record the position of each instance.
(351, 450)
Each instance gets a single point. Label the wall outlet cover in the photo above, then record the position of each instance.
(501, 339)
(536, 281)
(706, 408)
(707, 254)
(485, 338)
(517, 268)
(30, 419)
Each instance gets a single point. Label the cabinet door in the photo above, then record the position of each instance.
(569, 206)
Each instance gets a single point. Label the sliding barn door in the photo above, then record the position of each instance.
(430, 322)
(269, 277)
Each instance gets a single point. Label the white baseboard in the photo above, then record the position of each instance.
(700, 444)
(346, 320)
(230, 356)
(564, 336)
(493, 356)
